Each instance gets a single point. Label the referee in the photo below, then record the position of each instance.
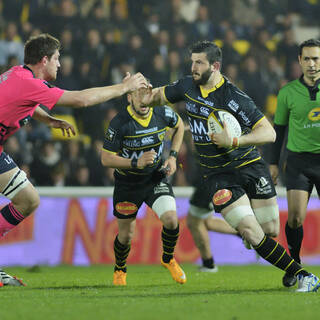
(298, 108)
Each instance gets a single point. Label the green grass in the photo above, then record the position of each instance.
(235, 293)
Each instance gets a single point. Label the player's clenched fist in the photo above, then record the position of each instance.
(146, 159)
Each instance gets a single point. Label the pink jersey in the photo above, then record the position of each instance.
(20, 94)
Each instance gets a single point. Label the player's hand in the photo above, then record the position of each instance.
(146, 159)
(224, 138)
(274, 172)
(66, 127)
(171, 166)
(135, 82)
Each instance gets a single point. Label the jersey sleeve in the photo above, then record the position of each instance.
(40, 92)
(171, 117)
(248, 113)
(174, 92)
(281, 116)
(113, 137)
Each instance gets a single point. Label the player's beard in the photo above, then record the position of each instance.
(204, 78)
(139, 112)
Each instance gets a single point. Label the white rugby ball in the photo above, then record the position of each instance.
(216, 119)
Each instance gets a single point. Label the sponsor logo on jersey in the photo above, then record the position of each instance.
(111, 133)
(204, 111)
(221, 197)
(168, 112)
(244, 117)
(191, 107)
(147, 130)
(147, 140)
(126, 207)
(161, 136)
(234, 106)
(132, 143)
(314, 114)
(209, 103)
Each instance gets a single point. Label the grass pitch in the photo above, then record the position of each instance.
(235, 293)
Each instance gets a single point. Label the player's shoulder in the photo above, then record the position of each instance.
(233, 92)
(185, 82)
(120, 118)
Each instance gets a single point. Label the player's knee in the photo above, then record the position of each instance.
(170, 220)
(125, 237)
(295, 222)
(271, 231)
(32, 203)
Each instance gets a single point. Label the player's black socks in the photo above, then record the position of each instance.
(208, 263)
(294, 239)
(121, 253)
(274, 253)
(169, 241)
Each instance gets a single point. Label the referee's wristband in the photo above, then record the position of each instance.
(173, 154)
(134, 163)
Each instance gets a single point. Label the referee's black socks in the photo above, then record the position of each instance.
(274, 253)
(294, 239)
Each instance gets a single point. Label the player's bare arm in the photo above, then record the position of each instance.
(66, 127)
(261, 133)
(177, 138)
(112, 160)
(92, 96)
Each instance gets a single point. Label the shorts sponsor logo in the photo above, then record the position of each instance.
(234, 106)
(126, 207)
(263, 186)
(314, 114)
(161, 188)
(221, 197)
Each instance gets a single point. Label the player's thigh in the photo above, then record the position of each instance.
(27, 199)
(127, 200)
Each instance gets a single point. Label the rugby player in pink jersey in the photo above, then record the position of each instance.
(22, 90)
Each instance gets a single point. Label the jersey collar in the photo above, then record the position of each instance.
(205, 92)
(26, 67)
(143, 122)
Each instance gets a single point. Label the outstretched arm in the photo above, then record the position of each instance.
(92, 96)
(155, 97)
(42, 116)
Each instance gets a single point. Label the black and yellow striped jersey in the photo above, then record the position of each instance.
(199, 104)
(129, 136)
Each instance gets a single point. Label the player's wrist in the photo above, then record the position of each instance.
(134, 163)
(235, 142)
(173, 154)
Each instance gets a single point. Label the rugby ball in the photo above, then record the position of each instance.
(216, 119)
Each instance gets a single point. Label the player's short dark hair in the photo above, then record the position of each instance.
(213, 52)
(308, 43)
(40, 46)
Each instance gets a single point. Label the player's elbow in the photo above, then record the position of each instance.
(272, 135)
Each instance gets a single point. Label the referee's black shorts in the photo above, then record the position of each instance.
(303, 171)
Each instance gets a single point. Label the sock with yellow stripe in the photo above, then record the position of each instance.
(169, 241)
(121, 252)
(277, 255)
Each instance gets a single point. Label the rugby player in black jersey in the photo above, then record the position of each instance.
(133, 146)
(235, 176)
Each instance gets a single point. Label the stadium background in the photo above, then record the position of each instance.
(101, 40)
